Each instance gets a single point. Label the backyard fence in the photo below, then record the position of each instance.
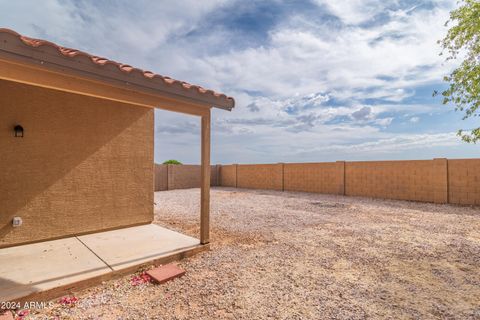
(438, 180)
(172, 176)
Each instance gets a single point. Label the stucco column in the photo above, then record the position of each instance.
(205, 181)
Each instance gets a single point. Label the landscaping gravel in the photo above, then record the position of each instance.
(285, 255)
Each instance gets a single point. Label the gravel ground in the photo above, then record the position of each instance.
(284, 255)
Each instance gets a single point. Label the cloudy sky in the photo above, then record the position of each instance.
(318, 80)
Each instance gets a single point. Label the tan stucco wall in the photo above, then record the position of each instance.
(84, 164)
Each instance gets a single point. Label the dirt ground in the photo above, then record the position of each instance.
(284, 255)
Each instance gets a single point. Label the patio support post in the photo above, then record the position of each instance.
(205, 181)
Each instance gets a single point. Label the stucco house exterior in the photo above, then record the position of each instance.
(77, 139)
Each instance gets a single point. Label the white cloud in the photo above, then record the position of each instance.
(348, 62)
(300, 93)
(364, 113)
(355, 11)
(397, 143)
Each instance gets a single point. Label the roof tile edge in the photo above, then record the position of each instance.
(224, 101)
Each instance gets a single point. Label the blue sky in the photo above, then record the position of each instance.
(318, 80)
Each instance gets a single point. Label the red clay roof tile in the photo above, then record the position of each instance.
(100, 61)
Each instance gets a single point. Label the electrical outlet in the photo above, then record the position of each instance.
(17, 221)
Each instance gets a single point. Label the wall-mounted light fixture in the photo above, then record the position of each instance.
(18, 131)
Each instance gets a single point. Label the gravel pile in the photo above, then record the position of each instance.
(284, 255)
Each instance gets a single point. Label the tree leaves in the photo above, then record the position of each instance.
(463, 41)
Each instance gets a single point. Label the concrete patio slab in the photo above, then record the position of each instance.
(37, 267)
(138, 245)
(53, 268)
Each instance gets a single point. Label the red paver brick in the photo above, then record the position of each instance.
(165, 273)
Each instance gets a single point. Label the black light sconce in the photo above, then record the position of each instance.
(18, 131)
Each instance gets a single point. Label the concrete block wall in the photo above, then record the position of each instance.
(228, 175)
(402, 180)
(161, 178)
(215, 175)
(324, 177)
(185, 176)
(438, 180)
(260, 176)
(464, 181)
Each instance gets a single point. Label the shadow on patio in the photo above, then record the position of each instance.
(52, 268)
